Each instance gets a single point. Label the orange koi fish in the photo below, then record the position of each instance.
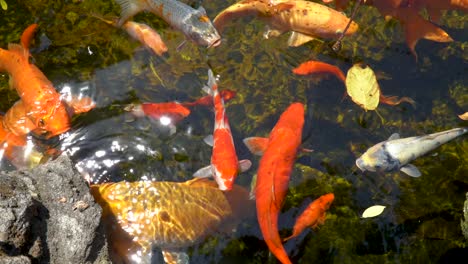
(224, 164)
(141, 32)
(168, 215)
(313, 215)
(40, 109)
(311, 67)
(306, 20)
(273, 174)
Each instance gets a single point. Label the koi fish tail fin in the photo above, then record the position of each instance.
(129, 9)
(27, 36)
(212, 84)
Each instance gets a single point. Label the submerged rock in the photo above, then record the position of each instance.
(47, 215)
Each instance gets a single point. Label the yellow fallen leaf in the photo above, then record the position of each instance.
(362, 86)
(373, 211)
(464, 116)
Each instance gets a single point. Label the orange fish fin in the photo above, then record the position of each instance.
(18, 49)
(256, 145)
(283, 7)
(27, 36)
(81, 105)
(417, 27)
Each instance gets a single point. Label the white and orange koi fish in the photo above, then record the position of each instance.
(224, 164)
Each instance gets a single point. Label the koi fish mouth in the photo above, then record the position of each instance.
(360, 164)
(215, 43)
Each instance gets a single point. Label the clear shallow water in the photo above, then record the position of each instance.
(422, 219)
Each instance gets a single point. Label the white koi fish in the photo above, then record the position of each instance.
(396, 153)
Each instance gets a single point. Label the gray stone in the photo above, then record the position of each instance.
(49, 215)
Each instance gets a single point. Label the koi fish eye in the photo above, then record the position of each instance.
(42, 123)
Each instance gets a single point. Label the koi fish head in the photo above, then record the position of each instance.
(56, 123)
(199, 29)
(377, 158)
(326, 200)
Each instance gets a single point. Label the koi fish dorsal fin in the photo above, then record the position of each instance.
(27, 36)
(256, 145)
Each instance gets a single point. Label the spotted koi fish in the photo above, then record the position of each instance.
(305, 19)
(194, 23)
(224, 163)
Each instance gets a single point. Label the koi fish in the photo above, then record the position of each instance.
(307, 20)
(313, 215)
(172, 110)
(310, 67)
(141, 32)
(273, 174)
(207, 100)
(396, 153)
(168, 215)
(41, 107)
(224, 164)
(194, 23)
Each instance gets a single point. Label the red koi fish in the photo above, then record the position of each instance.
(224, 164)
(273, 174)
(172, 110)
(141, 32)
(311, 67)
(40, 109)
(313, 215)
(207, 100)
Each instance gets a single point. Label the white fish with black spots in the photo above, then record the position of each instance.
(396, 153)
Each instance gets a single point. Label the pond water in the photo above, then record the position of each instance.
(421, 222)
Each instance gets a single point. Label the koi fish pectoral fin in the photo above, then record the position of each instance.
(297, 39)
(175, 257)
(394, 136)
(244, 165)
(207, 171)
(204, 172)
(272, 32)
(256, 145)
(209, 140)
(411, 170)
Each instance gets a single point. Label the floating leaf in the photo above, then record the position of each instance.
(3, 4)
(373, 211)
(362, 87)
(464, 116)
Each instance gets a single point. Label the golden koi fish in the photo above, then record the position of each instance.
(168, 215)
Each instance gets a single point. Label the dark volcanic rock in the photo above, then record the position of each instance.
(48, 215)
